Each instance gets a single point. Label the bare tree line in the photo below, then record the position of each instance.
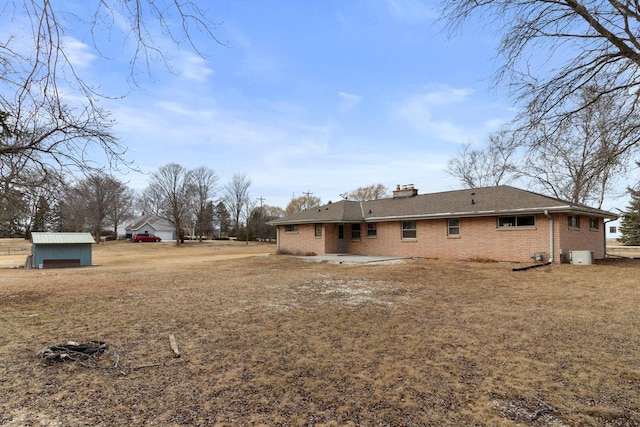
(192, 201)
(574, 136)
(45, 203)
(50, 116)
(51, 121)
(577, 128)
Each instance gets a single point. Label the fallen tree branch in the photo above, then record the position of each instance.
(73, 351)
(154, 365)
(174, 345)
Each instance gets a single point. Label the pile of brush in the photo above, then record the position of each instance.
(73, 351)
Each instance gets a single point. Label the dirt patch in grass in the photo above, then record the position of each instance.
(274, 340)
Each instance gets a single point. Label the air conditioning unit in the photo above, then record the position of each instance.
(582, 257)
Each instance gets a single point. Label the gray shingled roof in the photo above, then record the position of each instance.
(41, 238)
(154, 221)
(487, 201)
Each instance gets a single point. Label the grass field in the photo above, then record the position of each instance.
(275, 340)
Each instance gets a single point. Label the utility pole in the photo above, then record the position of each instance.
(261, 222)
(308, 194)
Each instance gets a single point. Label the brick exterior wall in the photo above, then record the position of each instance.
(583, 238)
(479, 239)
(303, 241)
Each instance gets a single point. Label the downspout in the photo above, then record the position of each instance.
(550, 218)
(604, 225)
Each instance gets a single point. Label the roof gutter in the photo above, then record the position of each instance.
(485, 213)
(566, 208)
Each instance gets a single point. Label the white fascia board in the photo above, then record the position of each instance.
(469, 214)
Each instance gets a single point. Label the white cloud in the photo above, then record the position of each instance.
(77, 52)
(348, 101)
(411, 11)
(257, 59)
(201, 133)
(422, 112)
(192, 67)
(281, 153)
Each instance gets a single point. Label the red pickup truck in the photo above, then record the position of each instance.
(145, 238)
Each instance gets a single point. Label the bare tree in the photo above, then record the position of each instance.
(44, 134)
(170, 196)
(248, 212)
(236, 197)
(98, 198)
(579, 160)
(27, 200)
(302, 203)
(264, 214)
(206, 225)
(40, 193)
(491, 166)
(121, 209)
(72, 211)
(555, 48)
(371, 192)
(204, 182)
(49, 114)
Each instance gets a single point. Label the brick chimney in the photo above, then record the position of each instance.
(404, 191)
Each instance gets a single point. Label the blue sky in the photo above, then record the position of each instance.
(322, 97)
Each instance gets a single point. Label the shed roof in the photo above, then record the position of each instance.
(41, 238)
(486, 201)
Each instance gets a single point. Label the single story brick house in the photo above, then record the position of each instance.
(500, 223)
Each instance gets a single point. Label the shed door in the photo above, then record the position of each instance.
(60, 263)
(342, 243)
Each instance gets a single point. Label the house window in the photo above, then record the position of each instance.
(318, 232)
(372, 229)
(573, 221)
(291, 228)
(409, 230)
(594, 224)
(613, 229)
(453, 227)
(355, 231)
(521, 221)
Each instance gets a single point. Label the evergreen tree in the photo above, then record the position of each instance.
(222, 219)
(205, 222)
(630, 224)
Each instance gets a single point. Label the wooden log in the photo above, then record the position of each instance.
(174, 345)
(153, 365)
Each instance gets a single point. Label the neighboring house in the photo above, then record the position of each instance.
(60, 250)
(499, 223)
(151, 224)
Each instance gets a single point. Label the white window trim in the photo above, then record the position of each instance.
(402, 230)
(449, 234)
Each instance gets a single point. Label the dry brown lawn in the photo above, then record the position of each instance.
(274, 340)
